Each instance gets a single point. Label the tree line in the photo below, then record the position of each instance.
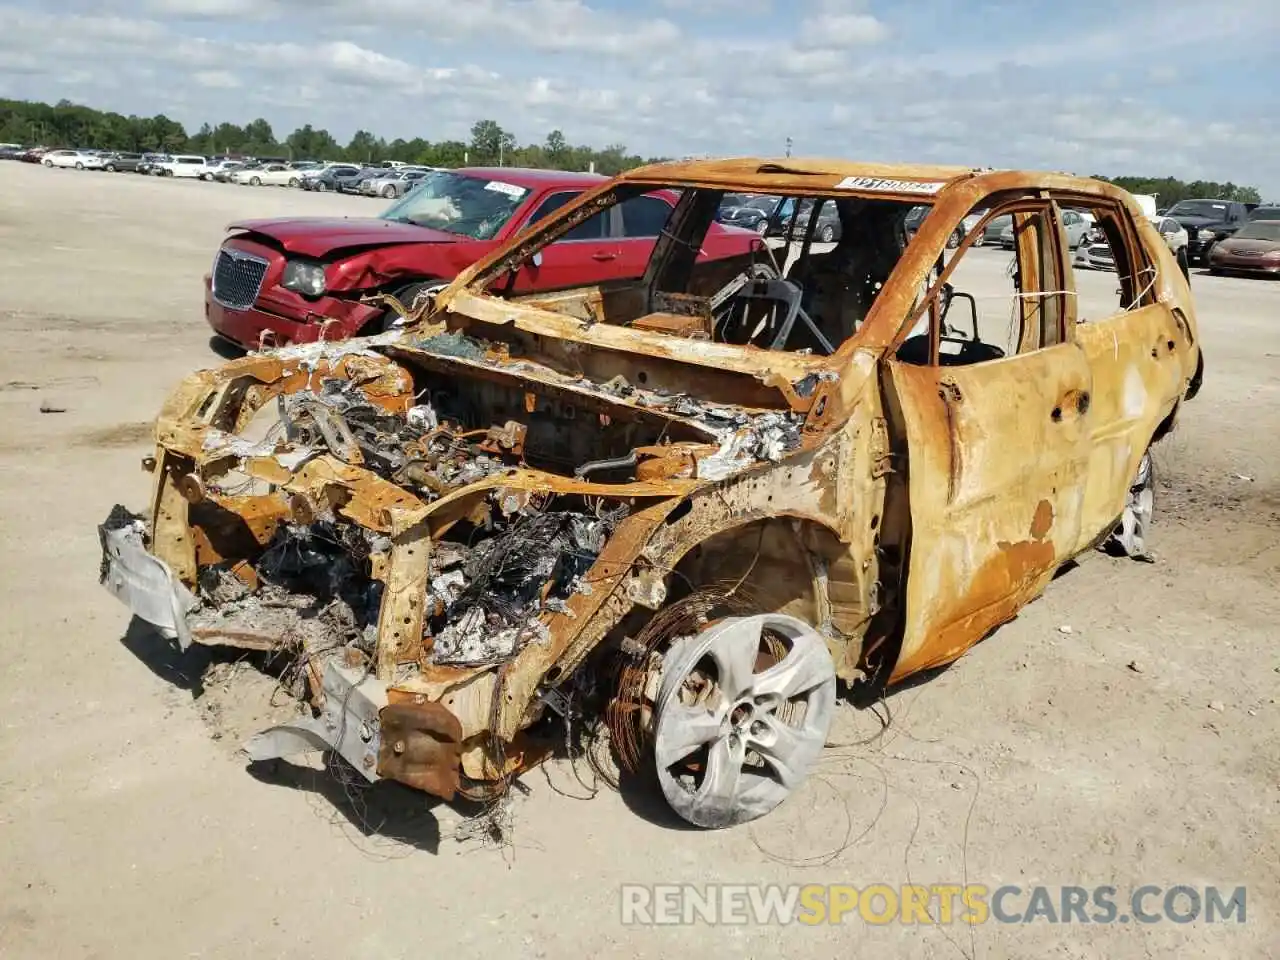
(67, 124)
(1168, 190)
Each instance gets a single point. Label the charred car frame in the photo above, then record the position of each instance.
(687, 503)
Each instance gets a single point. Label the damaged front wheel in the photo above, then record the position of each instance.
(743, 711)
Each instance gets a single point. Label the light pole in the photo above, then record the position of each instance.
(788, 146)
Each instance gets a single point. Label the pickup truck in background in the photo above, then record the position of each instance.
(1207, 222)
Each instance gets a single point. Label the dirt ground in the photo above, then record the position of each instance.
(1122, 731)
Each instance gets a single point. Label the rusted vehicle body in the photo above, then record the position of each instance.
(687, 503)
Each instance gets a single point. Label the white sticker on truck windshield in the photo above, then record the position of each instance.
(879, 185)
(510, 189)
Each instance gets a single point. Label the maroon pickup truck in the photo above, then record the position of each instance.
(276, 282)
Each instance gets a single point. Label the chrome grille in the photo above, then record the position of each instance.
(237, 278)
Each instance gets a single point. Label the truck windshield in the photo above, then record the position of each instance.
(1198, 208)
(472, 207)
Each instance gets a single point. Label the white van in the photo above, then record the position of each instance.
(182, 165)
(1148, 204)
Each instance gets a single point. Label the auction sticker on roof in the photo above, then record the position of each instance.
(510, 189)
(878, 185)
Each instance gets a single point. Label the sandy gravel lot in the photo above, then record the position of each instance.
(1138, 748)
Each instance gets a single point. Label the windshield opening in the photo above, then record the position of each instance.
(1260, 230)
(469, 206)
(805, 284)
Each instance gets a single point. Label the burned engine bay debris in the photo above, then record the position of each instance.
(686, 503)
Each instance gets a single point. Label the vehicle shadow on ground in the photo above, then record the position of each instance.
(185, 670)
(643, 797)
(225, 349)
(383, 811)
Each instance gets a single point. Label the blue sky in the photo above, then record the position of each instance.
(1129, 86)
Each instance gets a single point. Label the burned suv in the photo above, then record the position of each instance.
(683, 505)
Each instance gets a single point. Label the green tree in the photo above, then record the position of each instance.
(557, 148)
(490, 144)
(259, 131)
(362, 147)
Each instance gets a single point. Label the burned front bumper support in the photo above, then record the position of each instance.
(416, 742)
(419, 744)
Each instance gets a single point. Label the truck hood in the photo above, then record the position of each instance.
(317, 236)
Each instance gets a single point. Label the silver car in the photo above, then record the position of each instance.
(1074, 224)
(395, 184)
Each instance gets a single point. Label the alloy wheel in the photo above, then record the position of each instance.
(743, 712)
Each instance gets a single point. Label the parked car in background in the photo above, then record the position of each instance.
(1207, 222)
(225, 169)
(33, 154)
(181, 165)
(915, 217)
(357, 183)
(395, 184)
(121, 162)
(297, 280)
(1253, 249)
(993, 230)
(270, 175)
(1075, 226)
(827, 229)
(216, 165)
(1265, 212)
(79, 159)
(11, 151)
(1093, 252)
(330, 178)
(1174, 234)
(148, 162)
(754, 214)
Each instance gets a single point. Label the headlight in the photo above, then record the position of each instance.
(1206, 233)
(302, 277)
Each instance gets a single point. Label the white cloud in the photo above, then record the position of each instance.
(216, 79)
(843, 30)
(209, 9)
(858, 78)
